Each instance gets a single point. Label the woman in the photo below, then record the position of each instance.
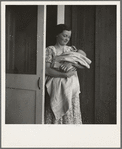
(69, 110)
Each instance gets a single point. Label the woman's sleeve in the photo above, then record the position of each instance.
(48, 55)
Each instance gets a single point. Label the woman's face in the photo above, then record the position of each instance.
(64, 37)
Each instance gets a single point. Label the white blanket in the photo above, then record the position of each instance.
(61, 92)
(75, 58)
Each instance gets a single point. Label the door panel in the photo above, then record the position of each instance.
(20, 106)
(24, 56)
(51, 21)
(21, 39)
(105, 57)
(22, 81)
(26, 45)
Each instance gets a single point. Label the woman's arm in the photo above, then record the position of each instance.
(67, 66)
(54, 73)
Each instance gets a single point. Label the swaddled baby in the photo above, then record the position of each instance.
(75, 58)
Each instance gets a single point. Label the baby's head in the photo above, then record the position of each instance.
(82, 52)
(74, 49)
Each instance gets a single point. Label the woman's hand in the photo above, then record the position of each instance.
(66, 66)
(57, 74)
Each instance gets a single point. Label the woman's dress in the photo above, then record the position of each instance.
(73, 115)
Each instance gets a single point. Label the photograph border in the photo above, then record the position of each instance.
(15, 136)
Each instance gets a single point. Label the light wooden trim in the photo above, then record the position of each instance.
(41, 58)
(60, 14)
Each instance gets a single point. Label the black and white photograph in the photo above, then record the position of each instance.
(61, 73)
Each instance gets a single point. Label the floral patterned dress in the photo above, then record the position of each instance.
(73, 115)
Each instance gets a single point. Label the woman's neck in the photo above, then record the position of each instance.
(58, 46)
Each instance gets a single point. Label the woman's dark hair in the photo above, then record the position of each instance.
(60, 28)
(53, 31)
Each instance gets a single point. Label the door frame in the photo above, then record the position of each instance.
(41, 72)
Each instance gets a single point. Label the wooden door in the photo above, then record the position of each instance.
(24, 64)
(94, 31)
(105, 69)
(51, 21)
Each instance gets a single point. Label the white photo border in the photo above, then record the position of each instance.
(39, 136)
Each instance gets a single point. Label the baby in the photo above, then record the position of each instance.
(71, 60)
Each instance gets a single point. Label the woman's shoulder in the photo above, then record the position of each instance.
(50, 49)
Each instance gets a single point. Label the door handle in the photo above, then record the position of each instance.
(39, 83)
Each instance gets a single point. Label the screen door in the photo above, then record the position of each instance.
(24, 64)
